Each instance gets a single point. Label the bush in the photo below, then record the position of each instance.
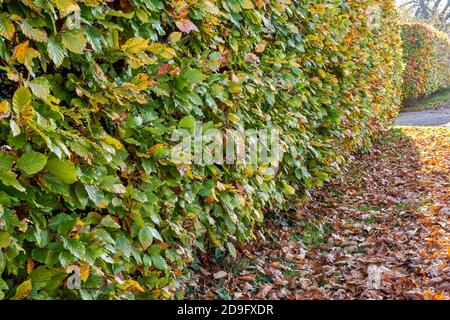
(93, 91)
(426, 54)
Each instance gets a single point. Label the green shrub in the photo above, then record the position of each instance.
(426, 54)
(94, 89)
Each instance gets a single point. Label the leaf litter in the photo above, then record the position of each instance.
(388, 214)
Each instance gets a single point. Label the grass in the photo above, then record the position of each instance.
(436, 100)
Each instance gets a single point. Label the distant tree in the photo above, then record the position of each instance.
(435, 12)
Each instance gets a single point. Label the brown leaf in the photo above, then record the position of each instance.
(185, 25)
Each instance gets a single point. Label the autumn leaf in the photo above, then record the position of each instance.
(186, 25)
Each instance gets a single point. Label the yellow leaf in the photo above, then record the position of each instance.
(247, 4)
(135, 45)
(22, 290)
(30, 265)
(66, 6)
(24, 54)
(5, 109)
(84, 271)
(133, 285)
(112, 142)
(155, 149)
(7, 28)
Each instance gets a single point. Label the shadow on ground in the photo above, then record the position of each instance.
(388, 212)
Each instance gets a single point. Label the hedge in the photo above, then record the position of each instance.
(93, 90)
(426, 54)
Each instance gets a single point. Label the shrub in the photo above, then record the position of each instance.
(426, 54)
(93, 91)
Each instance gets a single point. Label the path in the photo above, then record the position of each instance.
(437, 117)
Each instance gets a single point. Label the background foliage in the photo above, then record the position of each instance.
(93, 89)
(426, 54)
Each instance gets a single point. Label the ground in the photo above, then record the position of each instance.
(389, 213)
(434, 117)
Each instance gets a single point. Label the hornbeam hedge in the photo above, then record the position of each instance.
(93, 89)
(426, 54)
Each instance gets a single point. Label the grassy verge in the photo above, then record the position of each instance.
(436, 100)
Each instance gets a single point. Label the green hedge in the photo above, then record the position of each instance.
(426, 54)
(92, 91)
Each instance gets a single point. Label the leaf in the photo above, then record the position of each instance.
(5, 109)
(62, 223)
(63, 170)
(33, 33)
(66, 6)
(109, 222)
(40, 87)
(175, 37)
(145, 237)
(247, 4)
(40, 277)
(7, 28)
(22, 290)
(74, 41)
(220, 275)
(32, 162)
(135, 45)
(14, 128)
(186, 25)
(156, 234)
(9, 179)
(22, 103)
(55, 51)
(195, 76)
(5, 239)
(75, 247)
(6, 161)
(159, 262)
(187, 123)
(24, 55)
(21, 98)
(84, 271)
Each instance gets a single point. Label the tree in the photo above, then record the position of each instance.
(435, 12)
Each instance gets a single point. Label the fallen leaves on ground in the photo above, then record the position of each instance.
(389, 213)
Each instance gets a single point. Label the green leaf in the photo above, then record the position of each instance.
(40, 87)
(109, 222)
(156, 234)
(187, 123)
(40, 277)
(62, 223)
(6, 161)
(9, 179)
(159, 262)
(64, 170)
(145, 237)
(74, 41)
(195, 76)
(33, 33)
(75, 247)
(31, 162)
(55, 51)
